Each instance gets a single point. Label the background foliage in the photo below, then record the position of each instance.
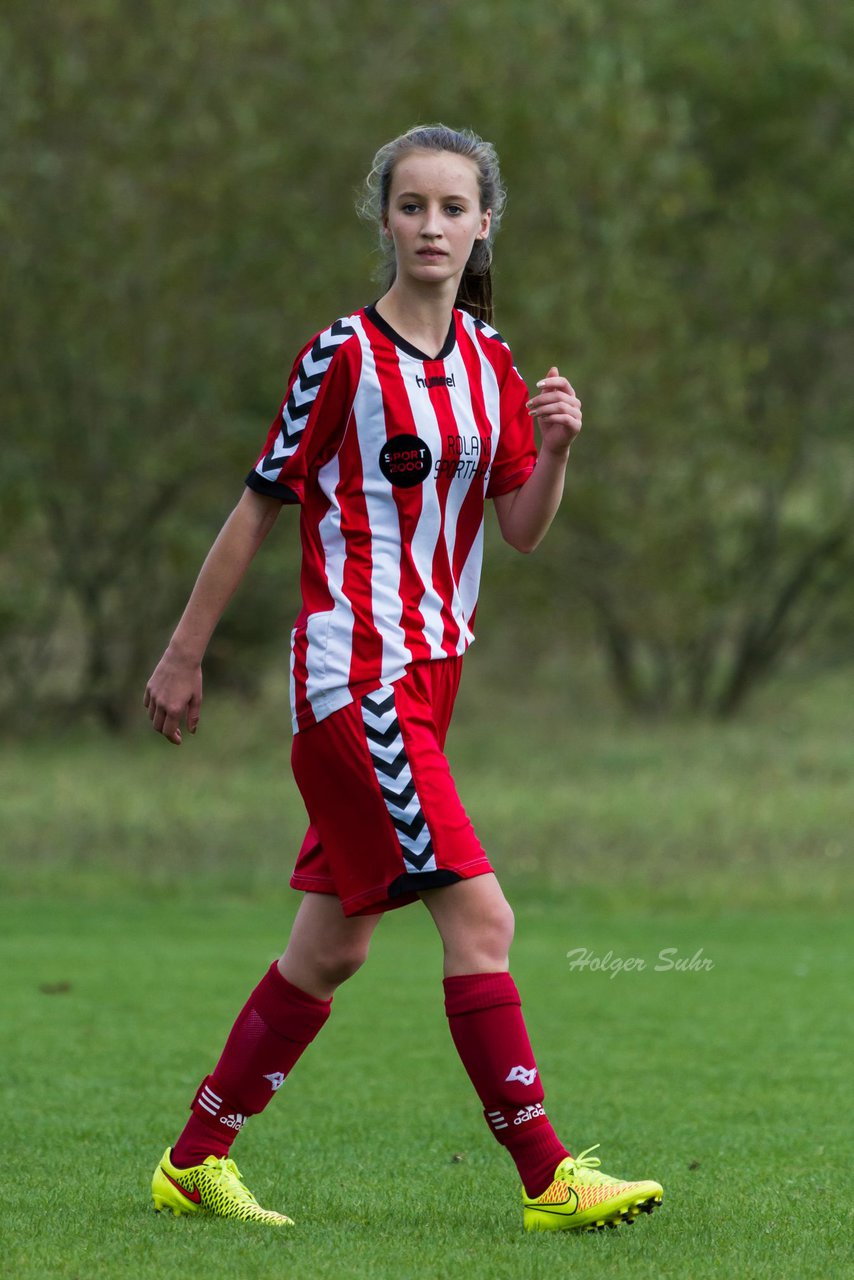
(176, 214)
(176, 206)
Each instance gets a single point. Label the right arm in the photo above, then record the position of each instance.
(175, 688)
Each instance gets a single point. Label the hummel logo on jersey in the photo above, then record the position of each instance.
(522, 1075)
(437, 381)
(235, 1120)
(277, 1079)
(524, 1114)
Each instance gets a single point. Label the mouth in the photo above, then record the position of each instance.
(432, 253)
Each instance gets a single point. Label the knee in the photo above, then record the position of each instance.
(336, 964)
(483, 943)
(498, 926)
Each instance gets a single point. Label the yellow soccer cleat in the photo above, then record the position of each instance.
(213, 1187)
(582, 1198)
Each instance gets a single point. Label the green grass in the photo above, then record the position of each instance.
(563, 791)
(728, 1085)
(153, 883)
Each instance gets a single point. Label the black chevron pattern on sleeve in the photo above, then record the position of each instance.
(488, 332)
(312, 370)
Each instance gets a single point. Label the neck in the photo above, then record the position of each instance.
(420, 314)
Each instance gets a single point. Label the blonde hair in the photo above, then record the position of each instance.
(475, 290)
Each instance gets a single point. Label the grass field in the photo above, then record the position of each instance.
(143, 895)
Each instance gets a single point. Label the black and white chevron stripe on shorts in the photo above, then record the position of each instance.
(310, 375)
(391, 765)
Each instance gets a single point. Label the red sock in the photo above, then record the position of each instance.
(485, 1016)
(275, 1025)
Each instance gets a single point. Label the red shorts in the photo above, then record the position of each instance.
(386, 820)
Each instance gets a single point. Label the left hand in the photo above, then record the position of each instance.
(558, 411)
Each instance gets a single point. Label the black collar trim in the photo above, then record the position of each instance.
(393, 336)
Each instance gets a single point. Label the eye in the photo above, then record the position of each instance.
(409, 207)
(454, 210)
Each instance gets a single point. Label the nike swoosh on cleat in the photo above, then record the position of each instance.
(557, 1206)
(551, 1208)
(195, 1195)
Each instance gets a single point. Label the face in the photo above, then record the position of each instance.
(434, 214)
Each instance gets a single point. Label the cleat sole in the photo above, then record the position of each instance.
(163, 1207)
(627, 1216)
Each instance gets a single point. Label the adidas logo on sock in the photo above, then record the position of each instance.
(234, 1120)
(524, 1114)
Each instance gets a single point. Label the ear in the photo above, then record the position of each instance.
(485, 220)
(386, 229)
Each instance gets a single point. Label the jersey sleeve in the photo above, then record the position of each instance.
(516, 454)
(312, 417)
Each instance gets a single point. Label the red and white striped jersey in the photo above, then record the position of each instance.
(390, 455)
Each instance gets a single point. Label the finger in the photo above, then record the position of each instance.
(194, 711)
(570, 419)
(557, 399)
(166, 722)
(558, 420)
(556, 395)
(171, 730)
(555, 404)
(558, 392)
(553, 375)
(147, 697)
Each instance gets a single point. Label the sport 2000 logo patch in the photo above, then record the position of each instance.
(405, 461)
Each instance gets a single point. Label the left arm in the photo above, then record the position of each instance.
(524, 515)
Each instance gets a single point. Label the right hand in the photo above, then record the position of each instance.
(173, 692)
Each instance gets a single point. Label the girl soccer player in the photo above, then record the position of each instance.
(398, 423)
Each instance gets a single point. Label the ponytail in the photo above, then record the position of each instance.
(475, 292)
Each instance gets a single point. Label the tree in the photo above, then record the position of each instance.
(700, 269)
(176, 201)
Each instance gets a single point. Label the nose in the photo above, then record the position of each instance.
(431, 227)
